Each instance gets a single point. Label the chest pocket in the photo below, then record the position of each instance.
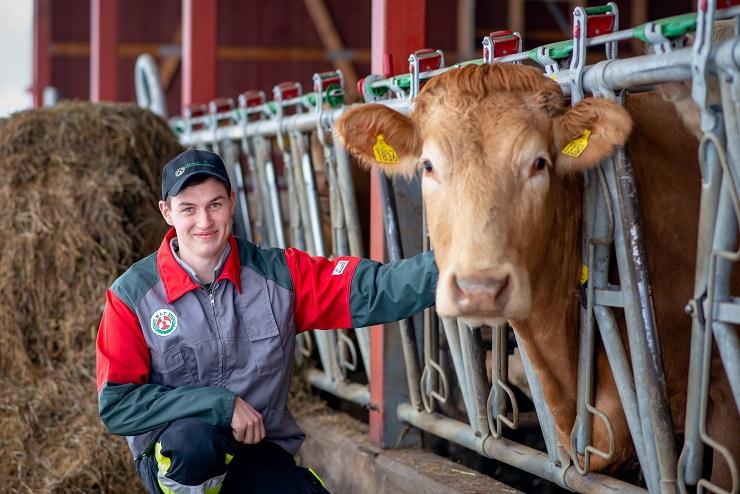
(262, 331)
(170, 369)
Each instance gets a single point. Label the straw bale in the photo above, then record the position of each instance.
(79, 190)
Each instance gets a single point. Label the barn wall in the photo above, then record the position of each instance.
(280, 26)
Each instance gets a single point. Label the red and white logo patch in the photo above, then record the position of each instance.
(163, 322)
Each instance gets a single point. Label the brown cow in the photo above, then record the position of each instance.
(504, 213)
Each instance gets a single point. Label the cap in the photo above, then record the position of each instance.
(189, 164)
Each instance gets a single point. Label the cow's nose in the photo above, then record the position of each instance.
(481, 295)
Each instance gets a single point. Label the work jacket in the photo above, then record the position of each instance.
(169, 348)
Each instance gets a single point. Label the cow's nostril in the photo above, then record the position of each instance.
(482, 293)
(475, 285)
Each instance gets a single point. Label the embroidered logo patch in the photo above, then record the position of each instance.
(339, 268)
(164, 322)
(179, 171)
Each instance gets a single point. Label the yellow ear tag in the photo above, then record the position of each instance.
(576, 147)
(584, 274)
(383, 152)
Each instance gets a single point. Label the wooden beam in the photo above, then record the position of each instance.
(398, 29)
(466, 30)
(227, 52)
(199, 51)
(516, 17)
(332, 41)
(41, 50)
(639, 15)
(104, 52)
(170, 64)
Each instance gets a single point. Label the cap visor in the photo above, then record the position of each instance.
(175, 189)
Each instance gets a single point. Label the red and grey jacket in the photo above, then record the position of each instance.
(168, 348)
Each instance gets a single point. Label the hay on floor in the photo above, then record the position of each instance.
(79, 190)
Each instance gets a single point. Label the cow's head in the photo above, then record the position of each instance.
(489, 139)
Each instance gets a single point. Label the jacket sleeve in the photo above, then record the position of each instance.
(128, 405)
(349, 292)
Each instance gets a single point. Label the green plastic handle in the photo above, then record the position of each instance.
(558, 51)
(671, 27)
(601, 9)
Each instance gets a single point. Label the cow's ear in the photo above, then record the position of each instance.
(587, 133)
(381, 137)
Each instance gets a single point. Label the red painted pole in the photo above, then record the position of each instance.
(199, 50)
(41, 56)
(103, 50)
(398, 28)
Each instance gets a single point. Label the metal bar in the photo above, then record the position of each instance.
(408, 335)
(623, 377)
(727, 312)
(264, 161)
(453, 344)
(691, 459)
(644, 345)
(242, 205)
(726, 234)
(356, 393)
(103, 50)
(474, 356)
(347, 193)
(199, 53)
(149, 93)
(544, 415)
(514, 454)
(299, 219)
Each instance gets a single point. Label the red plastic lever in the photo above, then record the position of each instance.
(429, 59)
(289, 89)
(251, 99)
(220, 105)
(506, 46)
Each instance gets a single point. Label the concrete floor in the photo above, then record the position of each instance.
(338, 449)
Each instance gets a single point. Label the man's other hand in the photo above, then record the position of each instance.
(246, 423)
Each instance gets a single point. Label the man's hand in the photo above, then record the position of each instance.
(246, 423)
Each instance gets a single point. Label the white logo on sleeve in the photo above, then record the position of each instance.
(339, 268)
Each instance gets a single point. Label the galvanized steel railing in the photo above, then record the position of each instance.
(610, 219)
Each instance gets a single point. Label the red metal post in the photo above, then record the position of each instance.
(398, 28)
(41, 56)
(103, 50)
(199, 50)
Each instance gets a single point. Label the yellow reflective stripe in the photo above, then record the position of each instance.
(229, 458)
(317, 476)
(213, 490)
(163, 463)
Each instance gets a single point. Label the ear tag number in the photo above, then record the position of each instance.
(383, 151)
(576, 147)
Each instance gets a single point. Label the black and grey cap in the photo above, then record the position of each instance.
(189, 164)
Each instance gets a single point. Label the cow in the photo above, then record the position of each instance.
(504, 215)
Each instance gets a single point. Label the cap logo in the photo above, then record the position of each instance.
(179, 171)
(163, 322)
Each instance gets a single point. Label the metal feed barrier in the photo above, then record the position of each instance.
(257, 129)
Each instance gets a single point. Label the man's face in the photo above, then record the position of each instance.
(201, 215)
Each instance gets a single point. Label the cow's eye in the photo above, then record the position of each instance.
(427, 166)
(539, 164)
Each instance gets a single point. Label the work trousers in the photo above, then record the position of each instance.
(192, 456)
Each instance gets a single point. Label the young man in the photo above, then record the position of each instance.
(195, 347)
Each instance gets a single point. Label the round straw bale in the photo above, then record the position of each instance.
(79, 191)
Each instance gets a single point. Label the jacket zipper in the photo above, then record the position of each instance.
(211, 294)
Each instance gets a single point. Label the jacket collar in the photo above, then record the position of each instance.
(177, 282)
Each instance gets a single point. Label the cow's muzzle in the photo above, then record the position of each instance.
(480, 296)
